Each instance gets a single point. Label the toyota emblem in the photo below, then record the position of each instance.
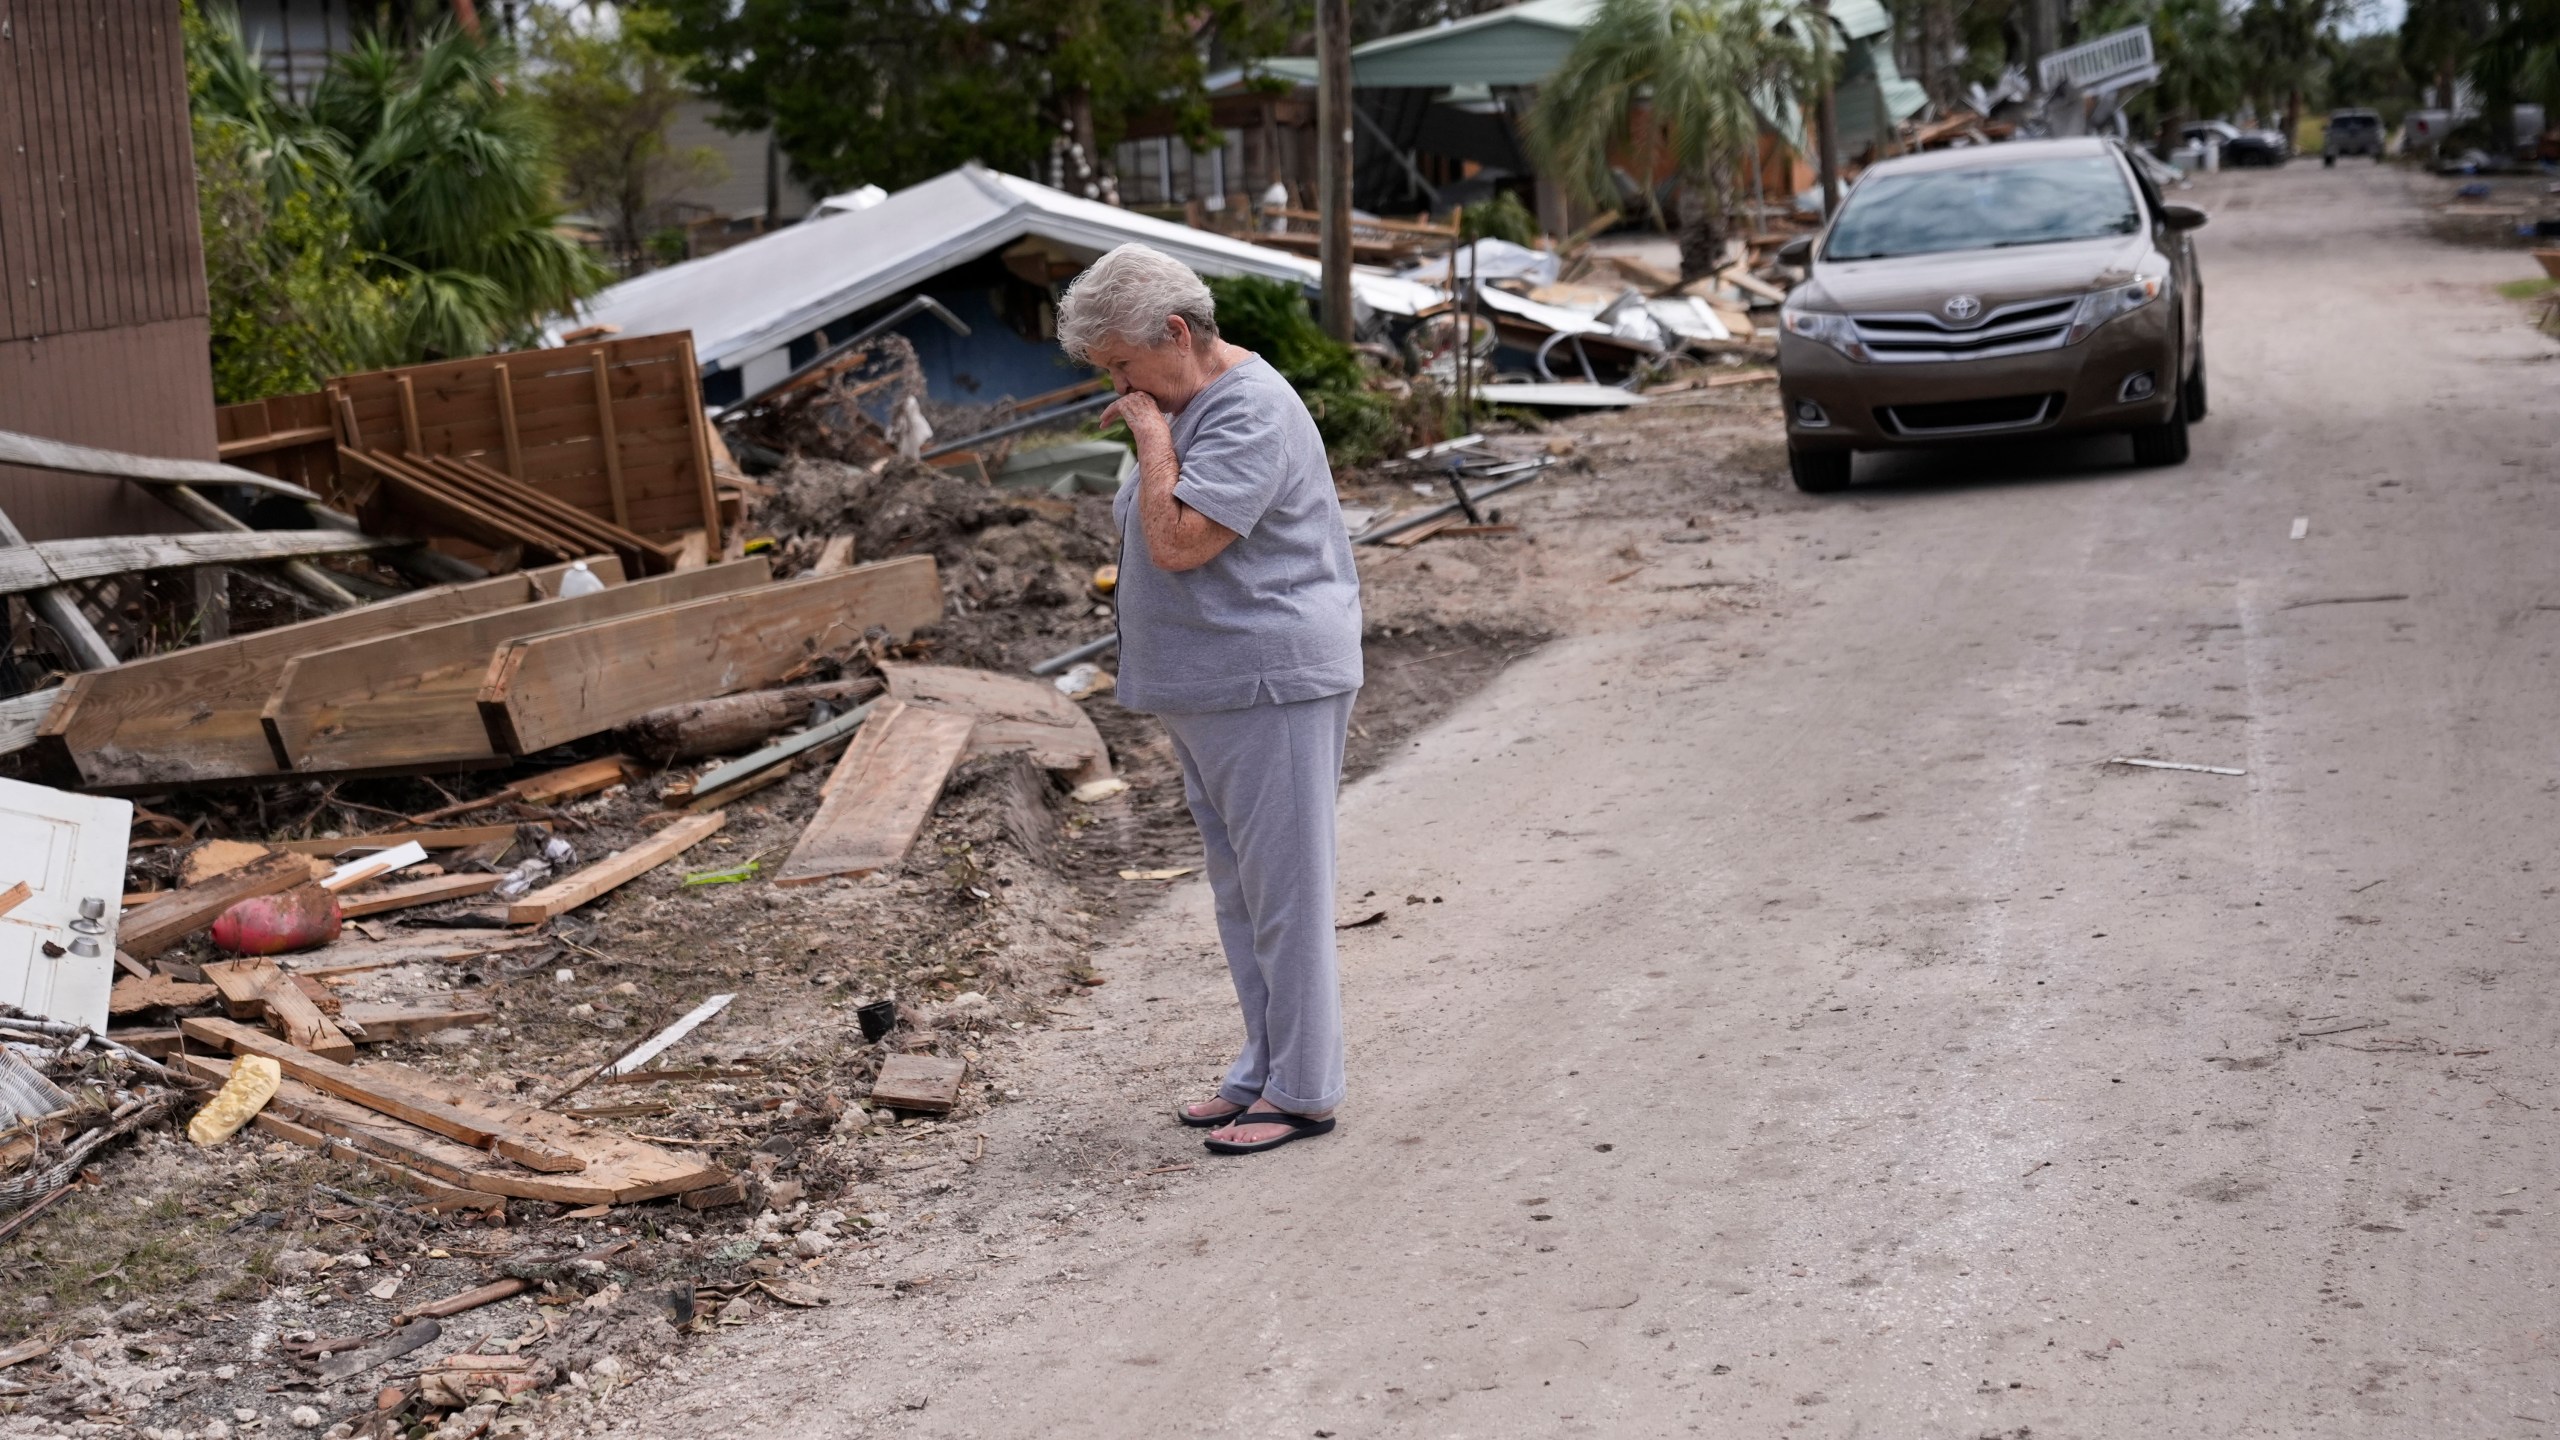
(1962, 307)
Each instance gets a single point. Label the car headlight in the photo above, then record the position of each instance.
(2100, 306)
(1824, 328)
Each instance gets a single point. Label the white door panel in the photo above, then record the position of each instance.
(68, 848)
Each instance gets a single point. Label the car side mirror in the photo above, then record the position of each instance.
(2182, 217)
(1796, 251)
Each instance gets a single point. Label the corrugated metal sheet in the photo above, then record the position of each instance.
(1519, 46)
(753, 299)
(102, 300)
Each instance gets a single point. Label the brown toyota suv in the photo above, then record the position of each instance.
(2040, 287)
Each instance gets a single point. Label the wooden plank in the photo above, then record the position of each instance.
(927, 1083)
(21, 716)
(871, 813)
(390, 1094)
(639, 554)
(276, 440)
(411, 438)
(64, 560)
(460, 837)
(405, 499)
(15, 896)
(553, 688)
(1012, 714)
(414, 698)
(548, 788)
(509, 507)
(37, 453)
(693, 550)
(430, 891)
(259, 987)
(606, 437)
(572, 891)
(699, 422)
(377, 1023)
(506, 392)
(135, 994)
(838, 555)
(194, 714)
(173, 915)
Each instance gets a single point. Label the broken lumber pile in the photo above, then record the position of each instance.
(553, 688)
(196, 714)
(464, 498)
(412, 698)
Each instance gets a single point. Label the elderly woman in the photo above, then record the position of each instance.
(1239, 613)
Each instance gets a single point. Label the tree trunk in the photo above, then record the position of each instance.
(735, 723)
(1701, 231)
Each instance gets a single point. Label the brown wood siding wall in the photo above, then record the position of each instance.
(102, 301)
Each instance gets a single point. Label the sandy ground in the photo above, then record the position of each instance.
(1786, 1021)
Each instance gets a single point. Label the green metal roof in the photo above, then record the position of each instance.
(1519, 46)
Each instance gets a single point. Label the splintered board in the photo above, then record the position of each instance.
(617, 1170)
(880, 793)
(571, 891)
(554, 688)
(62, 849)
(414, 698)
(1012, 714)
(196, 714)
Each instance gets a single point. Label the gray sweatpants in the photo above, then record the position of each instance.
(1261, 783)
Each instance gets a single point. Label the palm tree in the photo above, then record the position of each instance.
(441, 167)
(451, 181)
(1685, 81)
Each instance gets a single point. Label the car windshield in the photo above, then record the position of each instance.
(2041, 202)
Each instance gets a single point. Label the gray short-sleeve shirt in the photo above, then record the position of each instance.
(1275, 617)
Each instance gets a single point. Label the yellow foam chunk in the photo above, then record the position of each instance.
(254, 1081)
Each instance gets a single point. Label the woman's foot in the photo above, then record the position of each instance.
(1212, 1111)
(1242, 1130)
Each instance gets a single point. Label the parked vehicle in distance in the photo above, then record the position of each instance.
(2239, 147)
(2351, 132)
(2037, 287)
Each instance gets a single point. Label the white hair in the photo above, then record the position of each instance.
(1132, 294)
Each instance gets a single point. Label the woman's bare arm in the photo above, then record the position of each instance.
(1178, 537)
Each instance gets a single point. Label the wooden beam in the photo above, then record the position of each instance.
(63, 560)
(387, 1095)
(36, 453)
(411, 439)
(21, 716)
(606, 438)
(15, 896)
(277, 440)
(551, 688)
(880, 794)
(1012, 714)
(58, 606)
(413, 698)
(194, 715)
(432, 890)
(173, 915)
(698, 422)
(377, 1023)
(259, 987)
(460, 837)
(548, 788)
(319, 584)
(570, 892)
(506, 387)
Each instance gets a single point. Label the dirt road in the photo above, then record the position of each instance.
(1804, 1030)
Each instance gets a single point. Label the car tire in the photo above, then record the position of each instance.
(2164, 444)
(2191, 396)
(1820, 472)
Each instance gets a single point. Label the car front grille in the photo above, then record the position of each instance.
(1971, 417)
(2017, 329)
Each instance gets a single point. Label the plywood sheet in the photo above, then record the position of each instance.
(880, 794)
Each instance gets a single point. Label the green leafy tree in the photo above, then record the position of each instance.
(890, 92)
(422, 174)
(1682, 80)
(293, 299)
(452, 187)
(608, 95)
(1270, 318)
(2280, 51)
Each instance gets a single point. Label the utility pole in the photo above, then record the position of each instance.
(1826, 118)
(1333, 162)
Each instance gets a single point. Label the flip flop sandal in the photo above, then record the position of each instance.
(1203, 1122)
(1300, 1127)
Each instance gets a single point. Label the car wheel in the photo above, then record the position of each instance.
(1819, 472)
(2156, 445)
(2191, 396)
